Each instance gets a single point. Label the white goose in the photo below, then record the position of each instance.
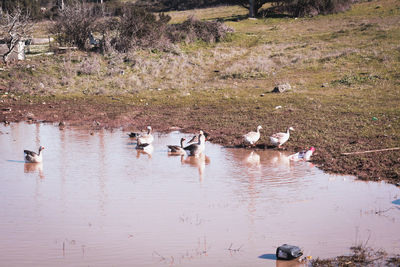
(177, 149)
(33, 157)
(252, 137)
(279, 139)
(146, 138)
(196, 149)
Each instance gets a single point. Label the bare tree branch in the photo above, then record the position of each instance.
(14, 28)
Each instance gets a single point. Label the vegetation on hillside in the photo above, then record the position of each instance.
(343, 69)
(133, 28)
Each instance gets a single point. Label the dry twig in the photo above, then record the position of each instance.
(371, 151)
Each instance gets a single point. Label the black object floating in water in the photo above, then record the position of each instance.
(288, 252)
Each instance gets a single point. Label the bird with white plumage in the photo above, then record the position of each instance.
(252, 137)
(278, 139)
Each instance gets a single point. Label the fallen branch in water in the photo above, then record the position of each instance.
(234, 249)
(383, 211)
(371, 151)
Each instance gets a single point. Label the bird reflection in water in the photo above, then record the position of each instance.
(280, 159)
(252, 159)
(33, 168)
(200, 161)
(147, 150)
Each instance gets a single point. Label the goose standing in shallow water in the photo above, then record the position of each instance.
(252, 137)
(196, 149)
(33, 157)
(177, 149)
(146, 138)
(279, 139)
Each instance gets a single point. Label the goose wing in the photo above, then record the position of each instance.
(30, 153)
(142, 146)
(250, 135)
(174, 148)
(279, 135)
(191, 147)
(133, 134)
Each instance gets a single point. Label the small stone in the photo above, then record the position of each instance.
(30, 115)
(282, 88)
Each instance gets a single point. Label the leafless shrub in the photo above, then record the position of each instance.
(139, 28)
(74, 24)
(115, 65)
(193, 29)
(14, 28)
(106, 29)
(302, 8)
(16, 85)
(89, 66)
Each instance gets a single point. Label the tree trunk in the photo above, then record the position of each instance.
(251, 9)
(61, 4)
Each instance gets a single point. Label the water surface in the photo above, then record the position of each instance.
(97, 201)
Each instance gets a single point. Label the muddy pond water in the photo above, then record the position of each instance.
(97, 201)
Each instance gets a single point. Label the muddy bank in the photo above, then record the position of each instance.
(225, 126)
(360, 256)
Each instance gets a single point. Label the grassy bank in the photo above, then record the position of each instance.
(343, 70)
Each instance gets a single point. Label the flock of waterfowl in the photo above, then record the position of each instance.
(277, 139)
(194, 147)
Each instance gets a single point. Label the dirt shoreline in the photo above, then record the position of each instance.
(111, 113)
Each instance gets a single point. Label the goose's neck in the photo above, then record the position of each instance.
(200, 139)
(148, 131)
(182, 143)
